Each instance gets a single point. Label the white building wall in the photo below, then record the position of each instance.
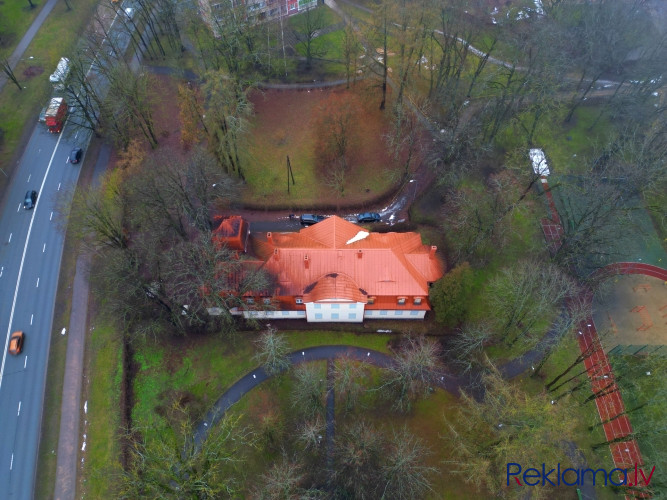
(336, 312)
(394, 314)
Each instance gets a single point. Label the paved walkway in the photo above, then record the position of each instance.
(27, 38)
(68, 442)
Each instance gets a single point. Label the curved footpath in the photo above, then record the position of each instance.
(450, 383)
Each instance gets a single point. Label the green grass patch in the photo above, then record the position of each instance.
(328, 46)
(15, 17)
(329, 18)
(569, 147)
(103, 411)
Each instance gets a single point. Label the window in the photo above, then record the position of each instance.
(353, 306)
(301, 313)
(414, 313)
(335, 306)
(334, 315)
(269, 313)
(285, 313)
(318, 306)
(250, 300)
(401, 301)
(299, 300)
(383, 313)
(371, 300)
(418, 301)
(399, 313)
(318, 315)
(266, 301)
(352, 316)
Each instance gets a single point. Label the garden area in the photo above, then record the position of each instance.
(300, 124)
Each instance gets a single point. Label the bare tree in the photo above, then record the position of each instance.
(412, 373)
(7, 68)
(307, 27)
(171, 466)
(272, 351)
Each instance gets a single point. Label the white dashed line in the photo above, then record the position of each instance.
(19, 411)
(37, 283)
(51, 216)
(31, 316)
(59, 186)
(29, 177)
(11, 462)
(44, 248)
(19, 208)
(25, 363)
(10, 238)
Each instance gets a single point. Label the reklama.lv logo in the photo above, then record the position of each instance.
(575, 477)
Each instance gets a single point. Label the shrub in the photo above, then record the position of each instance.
(449, 295)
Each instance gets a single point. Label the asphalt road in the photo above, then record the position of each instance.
(31, 247)
(30, 253)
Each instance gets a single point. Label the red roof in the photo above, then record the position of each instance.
(335, 259)
(232, 231)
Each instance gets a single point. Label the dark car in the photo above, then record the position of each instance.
(30, 200)
(310, 219)
(368, 217)
(16, 343)
(75, 155)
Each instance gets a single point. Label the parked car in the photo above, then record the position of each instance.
(368, 217)
(310, 219)
(16, 343)
(75, 155)
(30, 199)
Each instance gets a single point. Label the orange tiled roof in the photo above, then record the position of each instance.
(378, 264)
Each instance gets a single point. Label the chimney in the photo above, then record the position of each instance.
(306, 261)
(276, 255)
(269, 237)
(432, 252)
(360, 253)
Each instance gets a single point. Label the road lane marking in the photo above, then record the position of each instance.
(51, 216)
(37, 283)
(44, 248)
(29, 177)
(19, 208)
(25, 250)
(11, 463)
(25, 362)
(19, 412)
(10, 238)
(59, 186)
(31, 316)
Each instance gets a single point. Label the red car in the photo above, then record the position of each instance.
(16, 343)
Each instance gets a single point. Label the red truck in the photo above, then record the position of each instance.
(54, 116)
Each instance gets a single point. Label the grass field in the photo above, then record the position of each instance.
(283, 125)
(15, 17)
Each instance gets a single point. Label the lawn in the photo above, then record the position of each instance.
(15, 17)
(104, 367)
(202, 368)
(283, 126)
(425, 421)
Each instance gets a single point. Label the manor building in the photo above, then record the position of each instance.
(335, 271)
